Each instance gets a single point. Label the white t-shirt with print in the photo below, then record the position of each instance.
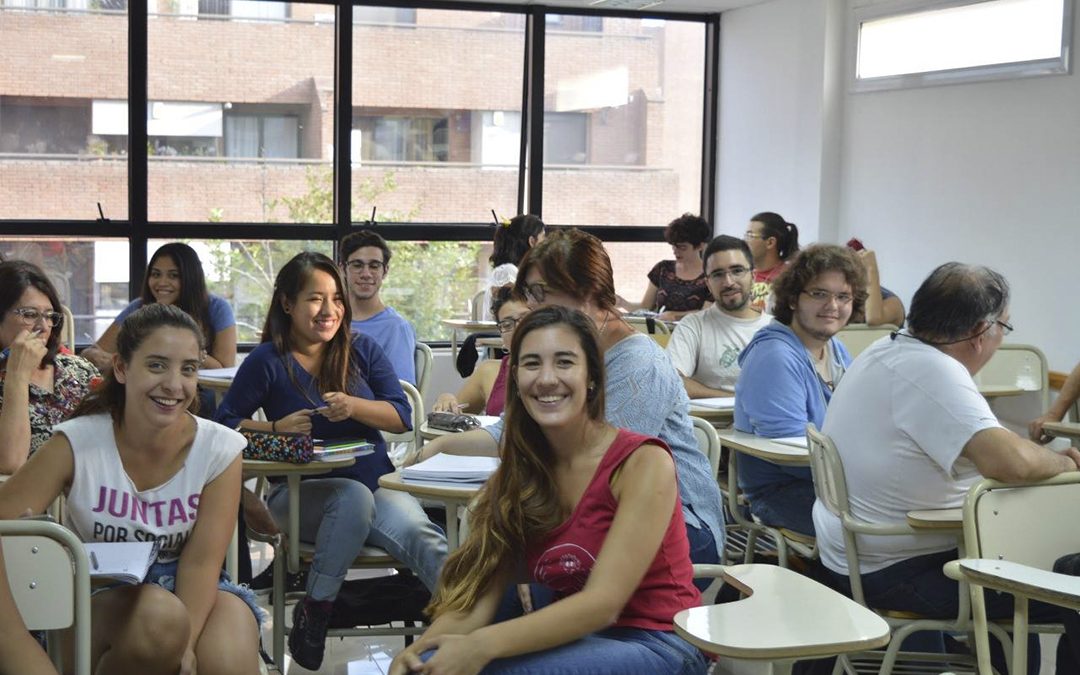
(705, 345)
(900, 418)
(104, 504)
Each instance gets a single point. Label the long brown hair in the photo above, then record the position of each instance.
(110, 396)
(520, 503)
(571, 262)
(338, 371)
(194, 298)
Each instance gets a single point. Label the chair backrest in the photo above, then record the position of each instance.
(858, 336)
(40, 558)
(411, 438)
(476, 306)
(423, 358)
(1020, 366)
(1017, 522)
(647, 325)
(708, 442)
(67, 331)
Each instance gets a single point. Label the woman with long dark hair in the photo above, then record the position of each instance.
(175, 276)
(39, 386)
(513, 239)
(587, 509)
(773, 241)
(310, 376)
(135, 465)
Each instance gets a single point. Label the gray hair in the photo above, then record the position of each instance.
(952, 301)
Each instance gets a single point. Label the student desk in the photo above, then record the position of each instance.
(1069, 430)
(466, 326)
(937, 519)
(999, 390)
(764, 448)
(718, 417)
(453, 496)
(292, 474)
(786, 617)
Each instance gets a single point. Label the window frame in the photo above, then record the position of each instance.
(138, 230)
(1060, 65)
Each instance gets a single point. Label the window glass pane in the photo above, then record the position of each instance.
(241, 109)
(436, 114)
(60, 153)
(631, 263)
(625, 123)
(90, 275)
(982, 33)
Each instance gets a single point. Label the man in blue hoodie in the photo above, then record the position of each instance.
(789, 371)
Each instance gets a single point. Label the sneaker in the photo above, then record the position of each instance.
(307, 637)
(263, 582)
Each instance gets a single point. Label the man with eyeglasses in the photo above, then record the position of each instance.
(365, 261)
(914, 433)
(789, 372)
(706, 345)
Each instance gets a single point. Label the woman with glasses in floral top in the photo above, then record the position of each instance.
(39, 387)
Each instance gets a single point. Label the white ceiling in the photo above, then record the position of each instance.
(674, 6)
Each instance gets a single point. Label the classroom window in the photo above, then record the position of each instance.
(419, 140)
(241, 127)
(626, 123)
(53, 164)
(90, 276)
(400, 16)
(942, 43)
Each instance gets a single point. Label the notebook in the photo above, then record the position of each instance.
(123, 561)
(451, 469)
(717, 403)
(342, 448)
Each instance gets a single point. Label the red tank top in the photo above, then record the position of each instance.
(497, 398)
(564, 559)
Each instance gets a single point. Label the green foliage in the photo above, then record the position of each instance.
(428, 281)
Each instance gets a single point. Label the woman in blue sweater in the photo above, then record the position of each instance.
(310, 376)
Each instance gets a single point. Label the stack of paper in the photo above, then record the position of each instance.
(219, 373)
(797, 441)
(126, 562)
(451, 469)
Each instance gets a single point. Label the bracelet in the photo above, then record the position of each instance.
(273, 426)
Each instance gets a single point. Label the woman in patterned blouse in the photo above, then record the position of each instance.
(38, 386)
(677, 287)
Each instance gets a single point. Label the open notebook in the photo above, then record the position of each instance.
(123, 561)
(717, 403)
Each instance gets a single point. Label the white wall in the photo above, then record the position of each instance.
(986, 172)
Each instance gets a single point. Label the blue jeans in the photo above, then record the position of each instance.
(919, 585)
(788, 505)
(340, 515)
(613, 651)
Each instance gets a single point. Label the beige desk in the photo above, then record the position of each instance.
(292, 474)
(764, 448)
(1025, 583)
(770, 624)
(466, 326)
(1063, 429)
(718, 417)
(453, 497)
(937, 519)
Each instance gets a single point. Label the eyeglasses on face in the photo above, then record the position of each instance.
(373, 266)
(31, 316)
(750, 234)
(735, 273)
(821, 295)
(536, 292)
(509, 323)
(1006, 327)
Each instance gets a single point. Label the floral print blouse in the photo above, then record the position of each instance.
(73, 378)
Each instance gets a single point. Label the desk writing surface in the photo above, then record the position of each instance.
(999, 390)
(786, 615)
(261, 467)
(470, 326)
(936, 519)
(764, 448)
(1016, 578)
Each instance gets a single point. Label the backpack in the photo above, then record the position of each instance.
(373, 602)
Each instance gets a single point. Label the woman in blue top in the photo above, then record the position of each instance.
(310, 376)
(175, 277)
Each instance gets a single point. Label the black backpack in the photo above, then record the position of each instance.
(373, 602)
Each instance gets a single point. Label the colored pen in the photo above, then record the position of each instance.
(93, 560)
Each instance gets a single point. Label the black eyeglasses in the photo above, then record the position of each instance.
(373, 266)
(508, 324)
(733, 272)
(1006, 327)
(536, 292)
(30, 316)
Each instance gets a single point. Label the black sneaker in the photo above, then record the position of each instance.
(307, 637)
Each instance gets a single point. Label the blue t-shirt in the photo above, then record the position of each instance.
(263, 381)
(396, 337)
(221, 314)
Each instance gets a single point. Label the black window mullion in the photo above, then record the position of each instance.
(533, 114)
(343, 83)
(709, 146)
(138, 156)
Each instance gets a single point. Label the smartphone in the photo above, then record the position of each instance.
(854, 244)
(322, 410)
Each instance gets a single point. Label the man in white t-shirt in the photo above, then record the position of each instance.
(705, 346)
(914, 433)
